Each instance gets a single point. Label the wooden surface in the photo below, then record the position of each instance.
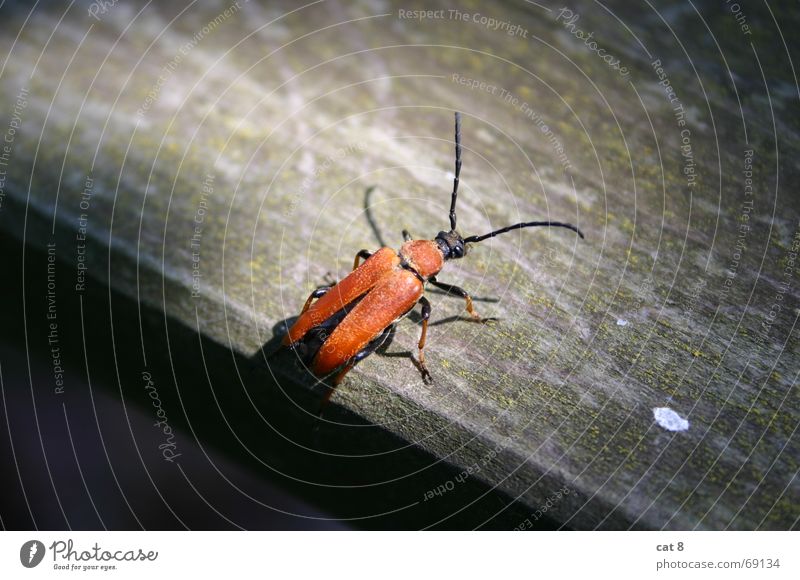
(248, 166)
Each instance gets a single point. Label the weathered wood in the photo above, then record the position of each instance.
(227, 190)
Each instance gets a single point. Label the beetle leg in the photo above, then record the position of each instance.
(318, 293)
(407, 236)
(362, 255)
(450, 289)
(426, 314)
(371, 347)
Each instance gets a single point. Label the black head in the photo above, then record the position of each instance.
(451, 244)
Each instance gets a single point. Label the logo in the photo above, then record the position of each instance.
(31, 553)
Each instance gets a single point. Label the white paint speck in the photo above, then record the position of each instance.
(669, 419)
(622, 322)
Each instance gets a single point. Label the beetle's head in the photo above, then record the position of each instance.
(451, 244)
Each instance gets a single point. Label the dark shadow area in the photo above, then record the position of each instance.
(83, 447)
(373, 224)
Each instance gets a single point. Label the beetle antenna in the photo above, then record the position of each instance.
(454, 197)
(475, 239)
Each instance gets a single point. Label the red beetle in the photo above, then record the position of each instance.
(352, 319)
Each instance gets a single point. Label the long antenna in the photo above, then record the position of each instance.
(458, 172)
(475, 239)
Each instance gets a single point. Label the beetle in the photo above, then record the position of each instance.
(343, 323)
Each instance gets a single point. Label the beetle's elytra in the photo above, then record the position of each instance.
(353, 318)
